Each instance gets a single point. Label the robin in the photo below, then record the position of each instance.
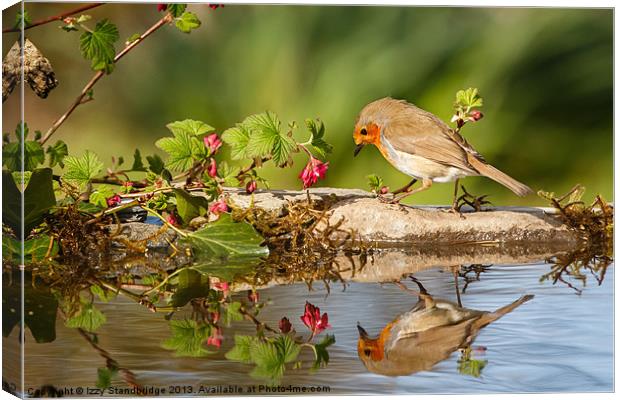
(422, 146)
(427, 334)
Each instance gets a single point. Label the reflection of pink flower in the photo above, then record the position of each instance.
(314, 170)
(212, 169)
(162, 7)
(250, 187)
(285, 325)
(216, 338)
(313, 319)
(212, 142)
(221, 287)
(253, 296)
(113, 201)
(215, 6)
(219, 207)
(214, 316)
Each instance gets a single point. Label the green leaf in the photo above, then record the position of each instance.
(80, 170)
(268, 362)
(104, 377)
(237, 138)
(282, 148)
(188, 206)
(232, 313)
(225, 238)
(264, 131)
(471, 367)
(137, 162)
(317, 129)
(228, 174)
(100, 196)
(33, 152)
(468, 98)
(322, 356)
(88, 318)
(375, 182)
(288, 350)
(183, 149)
(187, 22)
(35, 249)
(104, 295)
(23, 20)
(156, 164)
(98, 45)
(188, 337)
(38, 198)
(197, 128)
(57, 153)
(241, 350)
(190, 285)
(176, 9)
(229, 270)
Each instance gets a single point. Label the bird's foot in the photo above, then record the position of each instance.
(475, 202)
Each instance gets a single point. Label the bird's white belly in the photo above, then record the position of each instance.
(420, 167)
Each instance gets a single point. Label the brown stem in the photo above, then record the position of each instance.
(79, 100)
(256, 322)
(53, 18)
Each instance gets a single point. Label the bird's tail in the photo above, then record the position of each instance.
(498, 176)
(500, 312)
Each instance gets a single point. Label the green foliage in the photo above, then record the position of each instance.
(188, 337)
(226, 238)
(137, 162)
(35, 249)
(88, 318)
(232, 313)
(33, 151)
(80, 170)
(468, 98)
(104, 377)
(229, 270)
(97, 45)
(471, 367)
(320, 349)
(186, 147)
(104, 295)
(156, 164)
(57, 153)
(190, 285)
(100, 196)
(241, 350)
(187, 22)
(375, 182)
(23, 20)
(189, 206)
(38, 198)
(237, 138)
(317, 131)
(228, 174)
(176, 9)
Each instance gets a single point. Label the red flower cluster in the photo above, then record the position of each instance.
(250, 187)
(212, 169)
(213, 143)
(314, 170)
(313, 319)
(221, 287)
(216, 338)
(113, 201)
(162, 7)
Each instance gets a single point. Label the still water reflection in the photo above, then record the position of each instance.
(560, 340)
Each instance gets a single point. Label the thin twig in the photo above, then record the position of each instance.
(53, 18)
(99, 74)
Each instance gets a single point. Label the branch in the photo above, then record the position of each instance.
(53, 18)
(79, 100)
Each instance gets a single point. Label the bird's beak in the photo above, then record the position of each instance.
(362, 331)
(358, 148)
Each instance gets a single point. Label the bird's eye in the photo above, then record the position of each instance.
(364, 131)
(367, 352)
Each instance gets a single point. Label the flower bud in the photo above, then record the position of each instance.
(250, 187)
(475, 115)
(285, 325)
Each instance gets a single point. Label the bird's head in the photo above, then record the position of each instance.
(373, 118)
(368, 348)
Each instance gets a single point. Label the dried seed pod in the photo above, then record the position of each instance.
(38, 71)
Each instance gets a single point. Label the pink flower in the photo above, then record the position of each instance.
(221, 287)
(113, 201)
(285, 325)
(216, 338)
(172, 219)
(218, 207)
(314, 170)
(253, 296)
(215, 6)
(384, 190)
(162, 7)
(475, 115)
(212, 142)
(250, 187)
(313, 319)
(212, 169)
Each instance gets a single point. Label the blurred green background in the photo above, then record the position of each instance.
(545, 74)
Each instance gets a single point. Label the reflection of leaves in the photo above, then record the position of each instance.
(225, 237)
(35, 249)
(322, 356)
(471, 367)
(88, 318)
(241, 350)
(104, 377)
(189, 206)
(190, 285)
(188, 337)
(232, 313)
(40, 307)
(104, 295)
(229, 270)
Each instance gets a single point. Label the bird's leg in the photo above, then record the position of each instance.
(476, 202)
(455, 201)
(406, 187)
(455, 273)
(426, 183)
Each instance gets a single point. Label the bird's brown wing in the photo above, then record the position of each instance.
(418, 132)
